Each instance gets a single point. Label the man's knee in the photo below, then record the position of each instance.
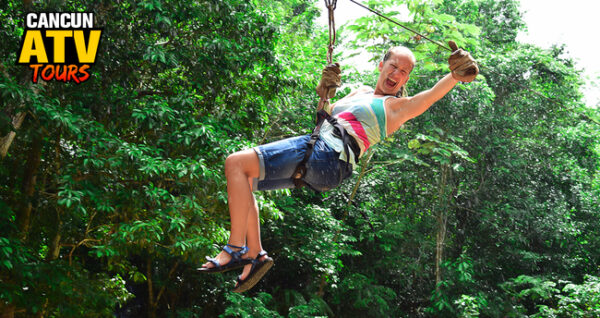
(245, 161)
(233, 163)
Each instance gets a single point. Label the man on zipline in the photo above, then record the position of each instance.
(367, 116)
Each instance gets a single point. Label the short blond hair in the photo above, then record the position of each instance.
(400, 50)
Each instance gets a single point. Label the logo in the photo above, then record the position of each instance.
(59, 46)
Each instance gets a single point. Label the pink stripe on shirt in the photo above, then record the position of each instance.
(358, 128)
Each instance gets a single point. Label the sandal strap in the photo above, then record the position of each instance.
(214, 261)
(235, 255)
(257, 259)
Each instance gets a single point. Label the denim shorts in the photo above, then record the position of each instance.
(278, 161)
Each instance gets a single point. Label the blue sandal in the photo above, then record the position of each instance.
(259, 269)
(236, 260)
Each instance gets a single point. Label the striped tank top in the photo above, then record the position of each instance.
(363, 116)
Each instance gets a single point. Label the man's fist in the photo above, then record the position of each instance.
(330, 79)
(463, 66)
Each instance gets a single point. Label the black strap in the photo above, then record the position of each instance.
(300, 171)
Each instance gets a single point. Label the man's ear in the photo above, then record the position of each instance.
(380, 67)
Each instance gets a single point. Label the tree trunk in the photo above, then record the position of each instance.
(17, 121)
(7, 140)
(29, 180)
(152, 299)
(151, 302)
(439, 247)
(54, 246)
(7, 311)
(441, 220)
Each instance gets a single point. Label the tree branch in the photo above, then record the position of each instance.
(162, 289)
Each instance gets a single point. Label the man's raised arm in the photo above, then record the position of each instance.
(463, 67)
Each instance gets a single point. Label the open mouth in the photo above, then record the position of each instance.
(390, 82)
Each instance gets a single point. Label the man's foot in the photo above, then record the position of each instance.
(248, 267)
(230, 258)
(253, 272)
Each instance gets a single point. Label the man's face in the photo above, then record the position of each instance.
(394, 73)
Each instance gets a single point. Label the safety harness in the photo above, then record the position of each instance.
(339, 131)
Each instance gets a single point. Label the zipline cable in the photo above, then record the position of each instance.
(403, 26)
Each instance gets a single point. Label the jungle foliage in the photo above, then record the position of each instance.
(112, 191)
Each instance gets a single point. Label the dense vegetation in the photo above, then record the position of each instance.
(112, 190)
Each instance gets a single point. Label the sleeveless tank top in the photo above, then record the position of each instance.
(363, 116)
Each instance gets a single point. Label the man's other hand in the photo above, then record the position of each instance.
(463, 66)
(330, 80)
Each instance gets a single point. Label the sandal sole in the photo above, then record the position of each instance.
(213, 270)
(254, 279)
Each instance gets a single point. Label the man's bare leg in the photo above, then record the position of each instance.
(241, 167)
(252, 235)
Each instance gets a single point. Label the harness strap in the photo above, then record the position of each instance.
(300, 172)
